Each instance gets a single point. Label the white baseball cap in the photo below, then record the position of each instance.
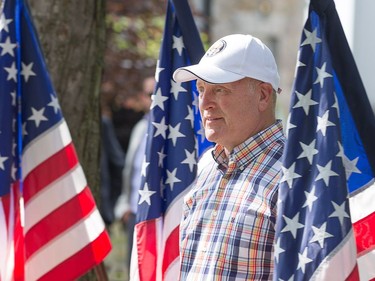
(232, 58)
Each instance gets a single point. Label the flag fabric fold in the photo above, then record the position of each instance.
(325, 225)
(175, 140)
(50, 227)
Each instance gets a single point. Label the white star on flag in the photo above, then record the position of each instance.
(145, 195)
(325, 172)
(310, 198)
(322, 74)
(320, 234)
(292, 225)
(27, 71)
(176, 88)
(190, 115)
(2, 161)
(158, 99)
(54, 103)
(289, 126)
(349, 165)
(13, 94)
(37, 116)
(7, 47)
(162, 155)
(178, 44)
(12, 72)
(336, 105)
(158, 71)
(303, 260)
(171, 178)
(339, 212)
(190, 159)
(278, 250)
(174, 133)
(4, 23)
(323, 123)
(299, 64)
(305, 101)
(13, 171)
(161, 128)
(201, 132)
(308, 151)
(311, 39)
(289, 175)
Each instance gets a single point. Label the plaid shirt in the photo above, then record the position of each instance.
(228, 226)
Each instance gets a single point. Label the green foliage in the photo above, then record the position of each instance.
(140, 36)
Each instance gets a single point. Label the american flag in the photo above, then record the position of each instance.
(50, 228)
(326, 219)
(175, 141)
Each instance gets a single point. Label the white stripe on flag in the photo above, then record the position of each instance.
(45, 146)
(362, 204)
(366, 266)
(173, 271)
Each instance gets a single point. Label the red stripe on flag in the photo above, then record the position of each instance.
(53, 168)
(147, 249)
(363, 230)
(354, 275)
(15, 239)
(59, 221)
(5, 201)
(68, 270)
(19, 253)
(171, 251)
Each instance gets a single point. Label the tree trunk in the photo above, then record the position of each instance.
(72, 35)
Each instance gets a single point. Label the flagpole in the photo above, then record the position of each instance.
(18, 11)
(19, 268)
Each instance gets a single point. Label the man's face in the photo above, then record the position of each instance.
(230, 112)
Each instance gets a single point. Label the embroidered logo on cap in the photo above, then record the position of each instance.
(216, 48)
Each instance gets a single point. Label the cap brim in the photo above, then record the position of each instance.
(208, 73)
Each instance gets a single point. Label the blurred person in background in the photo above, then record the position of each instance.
(111, 166)
(126, 112)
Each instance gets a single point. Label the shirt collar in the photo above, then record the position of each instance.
(250, 149)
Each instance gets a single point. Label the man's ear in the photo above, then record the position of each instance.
(265, 98)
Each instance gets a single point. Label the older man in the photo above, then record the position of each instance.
(228, 225)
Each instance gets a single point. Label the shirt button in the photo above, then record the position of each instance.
(214, 213)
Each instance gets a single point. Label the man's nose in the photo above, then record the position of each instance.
(206, 99)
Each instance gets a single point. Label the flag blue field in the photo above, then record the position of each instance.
(326, 215)
(174, 143)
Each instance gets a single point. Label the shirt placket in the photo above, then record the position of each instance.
(232, 165)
